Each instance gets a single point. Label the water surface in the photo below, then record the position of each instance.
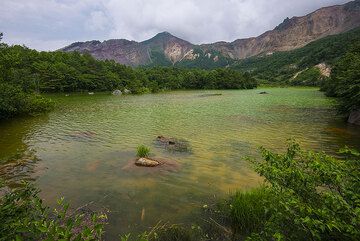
(79, 150)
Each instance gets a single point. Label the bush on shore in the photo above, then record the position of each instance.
(15, 102)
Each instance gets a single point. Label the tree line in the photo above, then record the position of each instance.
(344, 82)
(28, 73)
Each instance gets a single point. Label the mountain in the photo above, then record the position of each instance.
(289, 66)
(166, 49)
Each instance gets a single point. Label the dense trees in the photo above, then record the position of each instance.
(69, 72)
(345, 80)
(14, 101)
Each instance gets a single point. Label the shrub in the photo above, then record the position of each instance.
(24, 217)
(318, 196)
(15, 102)
(143, 151)
(308, 196)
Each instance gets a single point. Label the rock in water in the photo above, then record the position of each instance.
(354, 117)
(116, 92)
(146, 162)
(263, 93)
(174, 144)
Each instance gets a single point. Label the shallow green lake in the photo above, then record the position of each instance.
(79, 150)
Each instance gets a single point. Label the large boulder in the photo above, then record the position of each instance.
(354, 117)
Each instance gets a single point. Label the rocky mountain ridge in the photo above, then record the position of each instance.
(166, 49)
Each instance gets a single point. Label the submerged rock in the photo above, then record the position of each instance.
(146, 162)
(116, 92)
(82, 135)
(173, 144)
(208, 95)
(263, 93)
(354, 117)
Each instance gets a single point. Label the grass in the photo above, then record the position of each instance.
(244, 212)
(142, 151)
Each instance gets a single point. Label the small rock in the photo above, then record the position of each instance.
(91, 93)
(208, 95)
(146, 162)
(263, 93)
(354, 117)
(117, 92)
(126, 91)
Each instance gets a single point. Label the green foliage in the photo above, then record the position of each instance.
(169, 232)
(175, 78)
(246, 212)
(24, 217)
(142, 151)
(318, 196)
(14, 102)
(280, 67)
(308, 196)
(345, 80)
(308, 77)
(71, 72)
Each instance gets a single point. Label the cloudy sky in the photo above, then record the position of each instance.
(52, 24)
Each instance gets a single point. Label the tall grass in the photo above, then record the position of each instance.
(143, 151)
(246, 212)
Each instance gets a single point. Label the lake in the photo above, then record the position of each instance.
(79, 151)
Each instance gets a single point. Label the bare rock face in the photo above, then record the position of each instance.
(325, 70)
(295, 32)
(354, 117)
(292, 33)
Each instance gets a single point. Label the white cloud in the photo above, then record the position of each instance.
(49, 24)
(98, 21)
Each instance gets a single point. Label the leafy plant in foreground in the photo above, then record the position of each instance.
(318, 196)
(24, 217)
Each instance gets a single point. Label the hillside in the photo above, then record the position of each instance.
(284, 66)
(165, 49)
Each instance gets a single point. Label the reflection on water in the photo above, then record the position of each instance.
(18, 160)
(85, 144)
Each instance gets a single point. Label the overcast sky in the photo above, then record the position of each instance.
(52, 24)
